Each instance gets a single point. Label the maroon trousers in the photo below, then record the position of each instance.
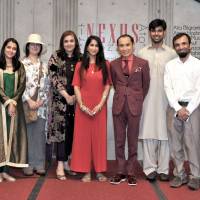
(126, 124)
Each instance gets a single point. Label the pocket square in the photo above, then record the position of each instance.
(138, 69)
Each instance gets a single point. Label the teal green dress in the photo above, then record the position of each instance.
(9, 84)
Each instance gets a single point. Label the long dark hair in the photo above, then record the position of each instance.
(15, 60)
(61, 51)
(100, 59)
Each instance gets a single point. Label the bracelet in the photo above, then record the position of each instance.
(83, 108)
(104, 96)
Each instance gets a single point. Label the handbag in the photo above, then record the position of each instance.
(30, 114)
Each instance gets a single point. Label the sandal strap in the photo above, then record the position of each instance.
(86, 177)
(101, 177)
(61, 177)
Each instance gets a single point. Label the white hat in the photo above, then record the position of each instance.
(36, 38)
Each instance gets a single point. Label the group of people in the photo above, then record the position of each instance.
(156, 103)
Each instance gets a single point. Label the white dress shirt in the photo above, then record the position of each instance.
(182, 83)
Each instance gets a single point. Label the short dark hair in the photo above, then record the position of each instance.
(179, 35)
(125, 35)
(157, 22)
(27, 50)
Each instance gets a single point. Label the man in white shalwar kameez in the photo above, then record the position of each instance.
(153, 127)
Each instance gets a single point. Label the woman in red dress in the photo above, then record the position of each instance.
(91, 85)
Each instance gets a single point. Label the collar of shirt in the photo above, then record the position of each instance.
(181, 62)
(28, 60)
(163, 47)
(129, 58)
(130, 61)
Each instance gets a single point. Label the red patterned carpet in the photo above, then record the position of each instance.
(49, 188)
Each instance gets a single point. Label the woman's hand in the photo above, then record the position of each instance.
(71, 99)
(96, 109)
(32, 104)
(11, 109)
(86, 110)
(39, 103)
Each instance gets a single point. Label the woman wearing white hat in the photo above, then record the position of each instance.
(36, 98)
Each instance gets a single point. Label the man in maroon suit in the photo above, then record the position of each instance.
(130, 76)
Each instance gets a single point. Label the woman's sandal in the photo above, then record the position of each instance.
(7, 177)
(86, 178)
(1, 177)
(61, 177)
(101, 178)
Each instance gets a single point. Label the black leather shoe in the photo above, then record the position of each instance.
(117, 179)
(131, 179)
(152, 176)
(163, 177)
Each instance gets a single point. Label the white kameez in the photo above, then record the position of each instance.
(153, 119)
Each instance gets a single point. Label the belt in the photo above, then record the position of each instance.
(183, 103)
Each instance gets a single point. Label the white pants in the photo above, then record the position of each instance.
(155, 156)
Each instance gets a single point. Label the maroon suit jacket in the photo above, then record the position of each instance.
(134, 88)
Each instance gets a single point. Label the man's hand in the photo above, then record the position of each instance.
(183, 114)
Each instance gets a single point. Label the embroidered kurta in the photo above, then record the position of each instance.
(13, 140)
(153, 120)
(61, 75)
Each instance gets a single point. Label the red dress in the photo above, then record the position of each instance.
(90, 133)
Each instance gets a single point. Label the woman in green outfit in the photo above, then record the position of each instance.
(13, 138)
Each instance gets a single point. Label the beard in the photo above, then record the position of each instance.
(183, 54)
